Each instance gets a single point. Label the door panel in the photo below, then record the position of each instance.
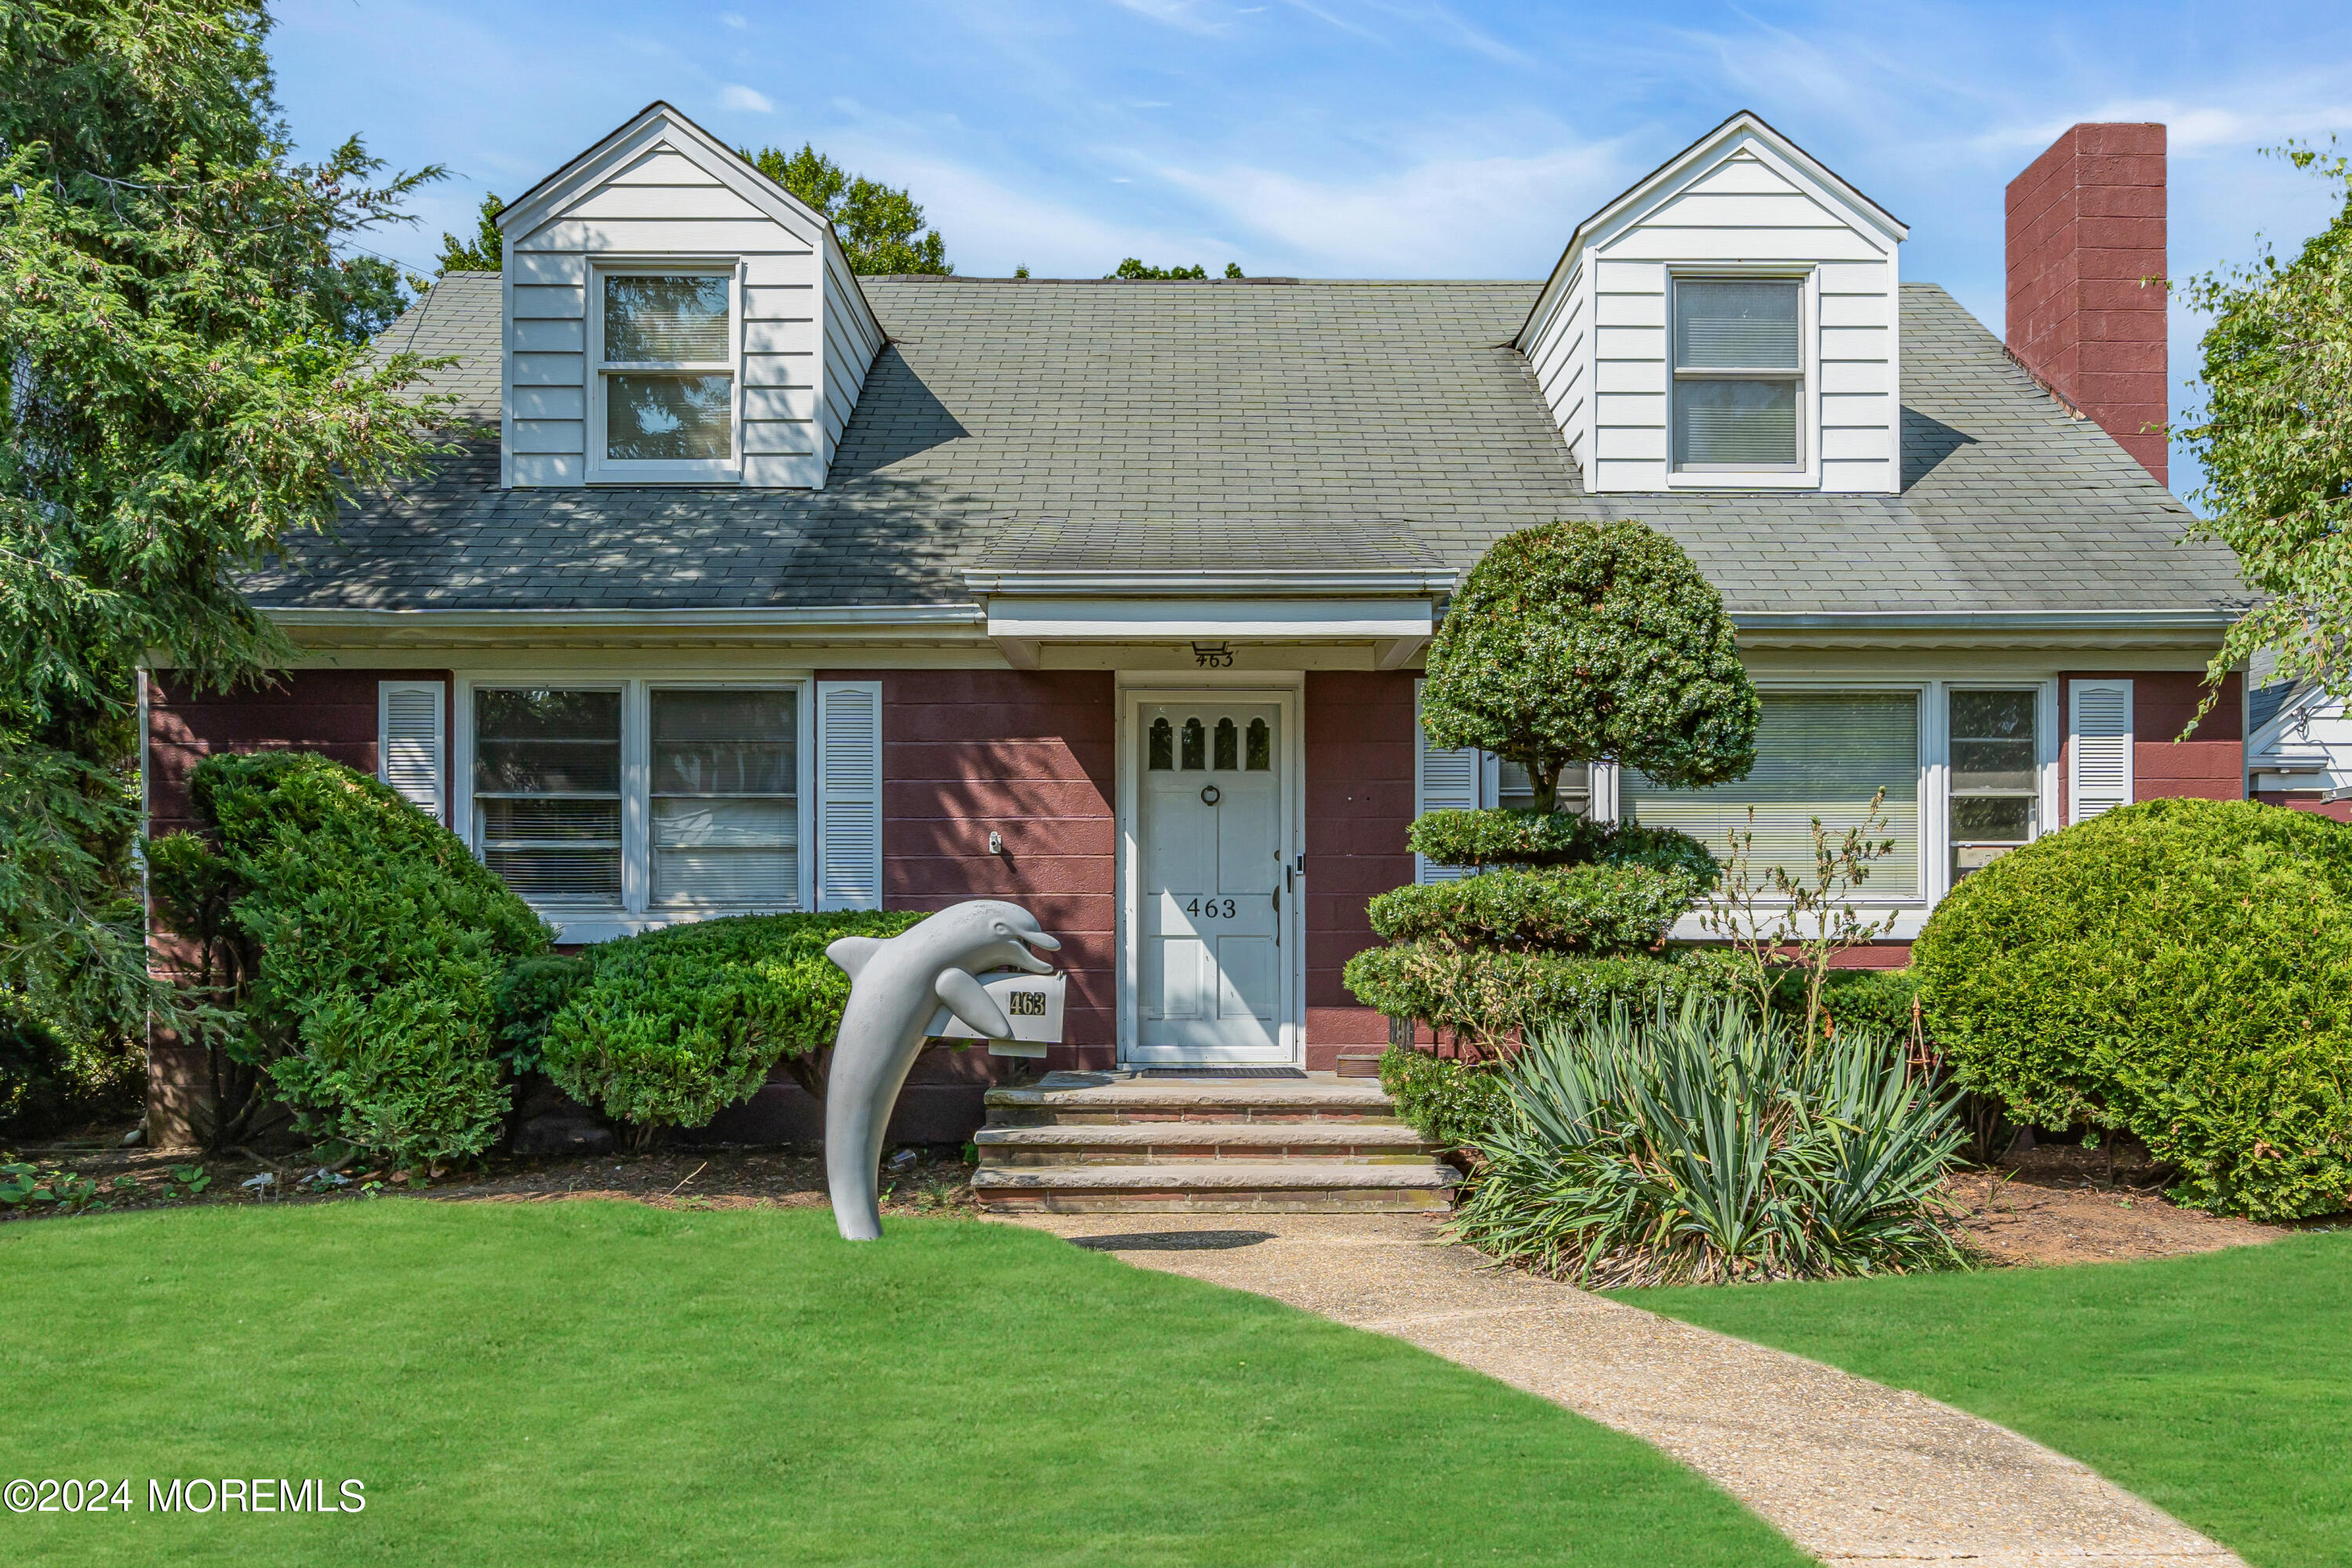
(1209, 801)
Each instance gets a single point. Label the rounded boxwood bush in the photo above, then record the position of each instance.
(669, 1028)
(2179, 970)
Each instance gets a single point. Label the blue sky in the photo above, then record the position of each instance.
(1343, 138)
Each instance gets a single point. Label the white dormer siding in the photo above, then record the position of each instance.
(661, 197)
(1742, 205)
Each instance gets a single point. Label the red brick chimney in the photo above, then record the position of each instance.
(2085, 226)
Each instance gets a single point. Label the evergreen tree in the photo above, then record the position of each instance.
(881, 226)
(486, 251)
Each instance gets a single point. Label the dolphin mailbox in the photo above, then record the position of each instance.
(901, 988)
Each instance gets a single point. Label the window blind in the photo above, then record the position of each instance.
(1817, 755)
(725, 782)
(547, 792)
(1737, 324)
(666, 320)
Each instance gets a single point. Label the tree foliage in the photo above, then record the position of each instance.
(881, 226)
(1134, 270)
(1585, 642)
(188, 385)
(2276, 445)
(485, 252)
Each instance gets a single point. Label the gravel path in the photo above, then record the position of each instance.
(1849, 1470)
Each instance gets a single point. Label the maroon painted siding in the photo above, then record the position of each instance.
(331, 711)
(2087, 231)
(2209, 765)
(2307, 800)
(1031, 755)
(1358, 745)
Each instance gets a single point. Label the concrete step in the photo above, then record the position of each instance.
(1360, 1063)
(1109, 1099)
(1221, 1186)
(1169, 1142)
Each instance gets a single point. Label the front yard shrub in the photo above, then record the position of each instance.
(2179, 970)
(1483, 993)
(1446, 1102)
(362, 946)
(1566, 908)
(1693, 1145)
(669, 1028)
(530, 997)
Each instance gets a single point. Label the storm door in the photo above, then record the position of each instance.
(1212, 968)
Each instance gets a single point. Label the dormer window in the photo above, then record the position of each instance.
(1738, 375)
(665, 376)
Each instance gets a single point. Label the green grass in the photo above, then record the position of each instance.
(2219, 1387)
(610, 1384)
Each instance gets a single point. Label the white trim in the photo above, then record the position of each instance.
(1807, 472)
(1289, 698)
(1172, 620)
(385, 691)
(2113, 787)
(634, 679)
(604, 470)
(840, 814)
(1232, 581)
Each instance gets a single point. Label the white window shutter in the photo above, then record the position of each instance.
(410, 741)
(850, 794)
(2098, 747)
(1442, 780)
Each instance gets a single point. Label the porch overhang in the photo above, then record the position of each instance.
(1396, 629)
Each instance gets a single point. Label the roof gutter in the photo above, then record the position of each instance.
(2180, 620)
(864, 617)
(1210, 584)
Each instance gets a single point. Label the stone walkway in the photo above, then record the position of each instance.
(1851, 1472)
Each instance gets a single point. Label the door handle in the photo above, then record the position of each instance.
(1277, 917)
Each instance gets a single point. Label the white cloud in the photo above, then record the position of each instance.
(1183, 14)
(737, 96)
(1450, 215)
(735, 19)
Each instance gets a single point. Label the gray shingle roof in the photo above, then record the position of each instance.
(1316, 423)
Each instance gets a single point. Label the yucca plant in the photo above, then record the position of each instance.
(1698, 1144)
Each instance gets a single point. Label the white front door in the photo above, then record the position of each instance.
(1213, 939)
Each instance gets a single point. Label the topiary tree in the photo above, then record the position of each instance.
(1572, 643)
(2179, 970)
(1587, 642)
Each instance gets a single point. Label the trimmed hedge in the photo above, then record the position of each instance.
(1521, 837)
(1566, 908)
(382, 945)
(2180, 970)
(669, 1028)
(1486, 993)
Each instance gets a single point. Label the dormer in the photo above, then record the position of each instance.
(1729, 323)
(673, 316)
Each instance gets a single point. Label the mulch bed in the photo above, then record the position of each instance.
(2054, 1204)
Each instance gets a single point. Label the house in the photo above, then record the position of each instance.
(776, 587)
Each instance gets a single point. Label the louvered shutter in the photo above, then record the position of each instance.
(1442, 780)
(2098, 747)
(409, 741)
(850, 794)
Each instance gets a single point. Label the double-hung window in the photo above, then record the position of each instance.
(1738, 375)
(664, 377)
(640, 799)
(1996, 788)
(547, 792)
(1817, 755)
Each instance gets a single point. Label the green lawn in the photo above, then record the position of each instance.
(2219, 1387)
(609, 1384)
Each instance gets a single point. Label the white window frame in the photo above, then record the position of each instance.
(1935, 783)
(1807, 472)
(602, 469)
(637, 912)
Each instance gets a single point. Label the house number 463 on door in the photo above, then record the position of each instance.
(1211, 908)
